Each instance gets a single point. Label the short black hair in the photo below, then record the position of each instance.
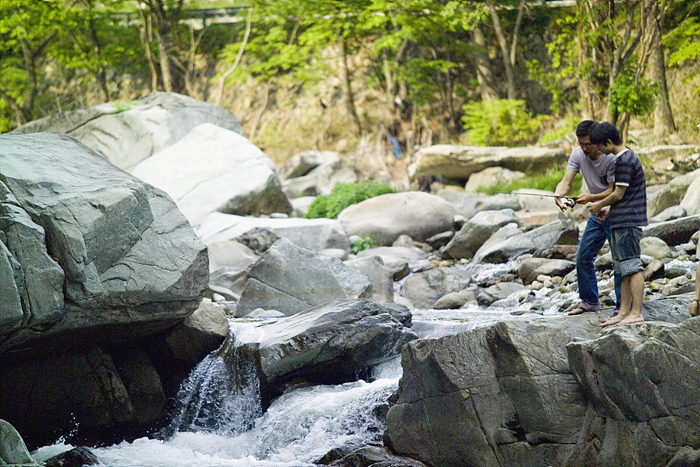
(585, 128)
(605, 131)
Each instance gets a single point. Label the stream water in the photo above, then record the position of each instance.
(220, 422)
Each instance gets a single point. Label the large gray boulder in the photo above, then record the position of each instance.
(13, 451)
(691, 200)
(328, 344)
(510, 394)
(315, 234)
(128, 132)
(459, 162)
(679, 185)
(674, 232)
(416, 214)
(400, 260)
(641, 382)
(659, 198)
(31, 281)
(213, 169)
(381, 277)
(476, 231)
(512, 244)
(290, 279)
(667, 154)
(132, 263)
(425, 288)
(491, 176)
(530, 268)
(314, 173)
(203, 331)
(469, 203)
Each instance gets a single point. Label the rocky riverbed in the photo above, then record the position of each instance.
(121, 274)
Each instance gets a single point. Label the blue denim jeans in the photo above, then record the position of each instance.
(592, 241)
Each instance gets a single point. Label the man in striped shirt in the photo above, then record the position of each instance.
(628, 214)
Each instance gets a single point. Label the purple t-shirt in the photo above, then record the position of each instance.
(598, 174)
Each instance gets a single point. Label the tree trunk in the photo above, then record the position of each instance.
(388, 78)
(663, 115)
(510, 78)
(483, 66)
(222, 81)
(347, 80)
(145, 36)
(100, 74)
(621, 51)
(164, 63)
(14, 106)
(30, 94)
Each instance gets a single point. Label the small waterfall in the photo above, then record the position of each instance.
(221, 395)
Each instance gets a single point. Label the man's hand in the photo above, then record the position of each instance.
(561, 204)
(585, 198)
(594, 208)
(603, 213)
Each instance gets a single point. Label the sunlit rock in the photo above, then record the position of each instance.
(510, 245)
(476, 231)
(424, 288)
(386, 217)
(674, 232)
(291, 279)
(459, 162)
(213, 169)
(132, 264)
(13, 451)
(469, 203)
(126, 133)
(316, 234)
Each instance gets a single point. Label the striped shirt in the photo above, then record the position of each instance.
(631, 210)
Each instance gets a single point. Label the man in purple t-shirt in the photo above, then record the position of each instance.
(628, 214)
(598, 170)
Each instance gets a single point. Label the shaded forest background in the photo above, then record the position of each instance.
(358, 75)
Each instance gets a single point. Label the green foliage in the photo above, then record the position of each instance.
(502, 122)
(365, 243)
(686, 41)
(122, 106)
(634, 98)
(541, 181)
(555, 76)
(79, 41)
(344, 195)
(27, 29)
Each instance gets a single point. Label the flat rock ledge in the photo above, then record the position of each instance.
(560, 392)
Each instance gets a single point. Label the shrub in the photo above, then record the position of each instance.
(502, 122)
(344, 195)
(365, 243)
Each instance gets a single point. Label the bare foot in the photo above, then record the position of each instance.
(631, 320)
(611, 321)
(577, 311)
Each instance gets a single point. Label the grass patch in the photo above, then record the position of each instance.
(344, 195)
(122, 106)
(542, 181)
(365, 243)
